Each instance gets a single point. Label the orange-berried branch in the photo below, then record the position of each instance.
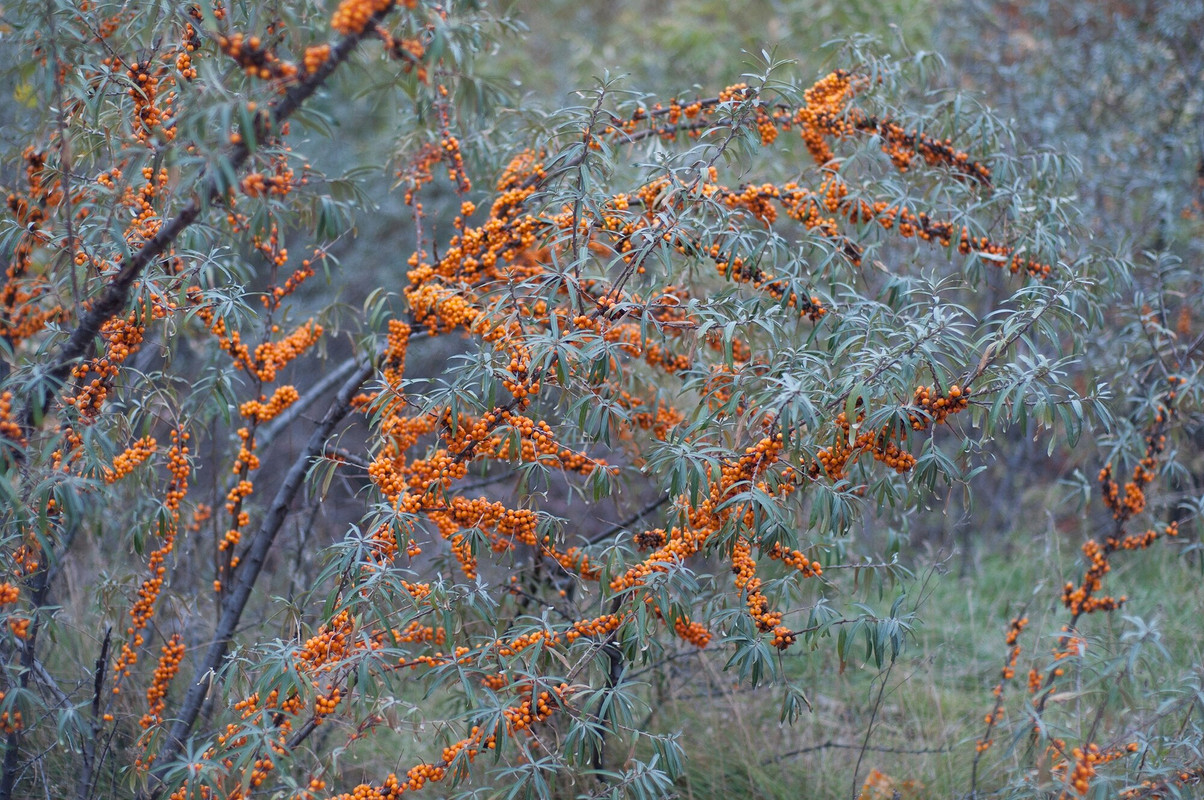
(544, 333)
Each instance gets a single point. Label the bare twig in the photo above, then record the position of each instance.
(831, 745)
(869, 729)
(627, 523)
(83, 788)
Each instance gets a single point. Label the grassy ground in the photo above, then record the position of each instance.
(936, 695)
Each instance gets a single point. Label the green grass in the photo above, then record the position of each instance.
(939, 690)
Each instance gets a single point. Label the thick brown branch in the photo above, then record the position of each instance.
(248, 574)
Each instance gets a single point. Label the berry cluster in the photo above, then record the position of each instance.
(10, 429)
(10, 721)
(264, 411)
(520, 718)
(26, 298)
(143, 609)
(932, 408)
(250, 53)
(1080, 767)
(150, 90)
(1084, 598)
(352, 16)
(1012, 640)
(125, 461)
(172, 654)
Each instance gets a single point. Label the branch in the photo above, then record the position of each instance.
(116, 294)
(911, 751)
(248, 574)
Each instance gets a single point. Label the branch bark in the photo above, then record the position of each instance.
(247, 575)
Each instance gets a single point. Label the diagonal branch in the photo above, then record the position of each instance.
(248, 574)
(116, 294)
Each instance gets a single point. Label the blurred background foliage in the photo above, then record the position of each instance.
(682, 46)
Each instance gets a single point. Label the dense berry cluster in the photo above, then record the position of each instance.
(143, 609)
(125, 461)
(150, 90)
(172, 653)
(252, 54)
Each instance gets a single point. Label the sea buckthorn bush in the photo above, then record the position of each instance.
(295, 512)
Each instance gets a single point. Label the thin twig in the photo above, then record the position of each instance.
(869, 728)
(831, 745)
(627, 523)
(84, 787)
